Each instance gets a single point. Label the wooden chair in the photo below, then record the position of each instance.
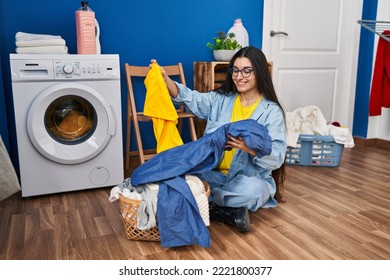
(135, 117)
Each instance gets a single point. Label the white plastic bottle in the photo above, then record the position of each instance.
(240, 33)
(86, 29)
(98, 47)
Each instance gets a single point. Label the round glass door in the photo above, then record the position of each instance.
(70, 119)
(70, 123)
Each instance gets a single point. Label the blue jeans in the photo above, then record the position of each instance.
(241, 191)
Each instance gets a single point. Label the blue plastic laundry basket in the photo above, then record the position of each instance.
(315, 150)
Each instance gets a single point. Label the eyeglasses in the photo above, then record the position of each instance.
(245, 72)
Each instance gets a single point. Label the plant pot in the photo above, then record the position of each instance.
(224, 55)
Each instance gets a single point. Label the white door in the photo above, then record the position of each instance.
(316, 62)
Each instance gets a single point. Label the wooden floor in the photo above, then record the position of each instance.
(329, 213)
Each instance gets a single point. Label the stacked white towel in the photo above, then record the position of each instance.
(28, 43)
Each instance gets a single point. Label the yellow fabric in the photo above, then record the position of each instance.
(239, 113)
(159, 106)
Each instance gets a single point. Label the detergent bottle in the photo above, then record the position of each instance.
(86, 29)
(98, 48)
(241, 35)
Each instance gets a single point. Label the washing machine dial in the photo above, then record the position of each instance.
(68, 68)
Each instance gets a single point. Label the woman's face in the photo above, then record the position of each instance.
(243, 75)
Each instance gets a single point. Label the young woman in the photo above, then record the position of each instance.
(242, 181)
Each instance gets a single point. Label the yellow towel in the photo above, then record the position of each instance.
(159, 106)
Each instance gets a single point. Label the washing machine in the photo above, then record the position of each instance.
(68, 122)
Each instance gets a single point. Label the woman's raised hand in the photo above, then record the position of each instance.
(152, 61)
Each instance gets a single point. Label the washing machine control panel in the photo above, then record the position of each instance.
(68, 68)
(85, 69)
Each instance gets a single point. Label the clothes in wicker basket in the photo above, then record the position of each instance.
(194, 157)
(198, 190)
(119, 190)
(147, 195)
(129, 208)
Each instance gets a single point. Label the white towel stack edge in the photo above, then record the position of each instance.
(28, 43)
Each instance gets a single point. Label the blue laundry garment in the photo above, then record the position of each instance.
(181, 221)
(178, 216)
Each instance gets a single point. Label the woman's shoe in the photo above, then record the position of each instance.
(236, 217)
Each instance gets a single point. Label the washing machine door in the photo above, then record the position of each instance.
(70, 123)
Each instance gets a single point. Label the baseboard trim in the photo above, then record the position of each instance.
(372, 142)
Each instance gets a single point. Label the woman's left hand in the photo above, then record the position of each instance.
(238, 143)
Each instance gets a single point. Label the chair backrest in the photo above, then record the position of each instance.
(134, 76)
(142, 71)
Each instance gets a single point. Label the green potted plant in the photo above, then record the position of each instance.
(224, 46)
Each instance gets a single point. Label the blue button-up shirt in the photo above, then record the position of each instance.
(217, 109)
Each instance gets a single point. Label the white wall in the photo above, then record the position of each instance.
(379, 126)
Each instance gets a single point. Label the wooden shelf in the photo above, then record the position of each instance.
(208, 75)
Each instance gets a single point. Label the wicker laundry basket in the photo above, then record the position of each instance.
(129, 208)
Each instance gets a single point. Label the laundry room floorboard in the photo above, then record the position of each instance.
(328, 213)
